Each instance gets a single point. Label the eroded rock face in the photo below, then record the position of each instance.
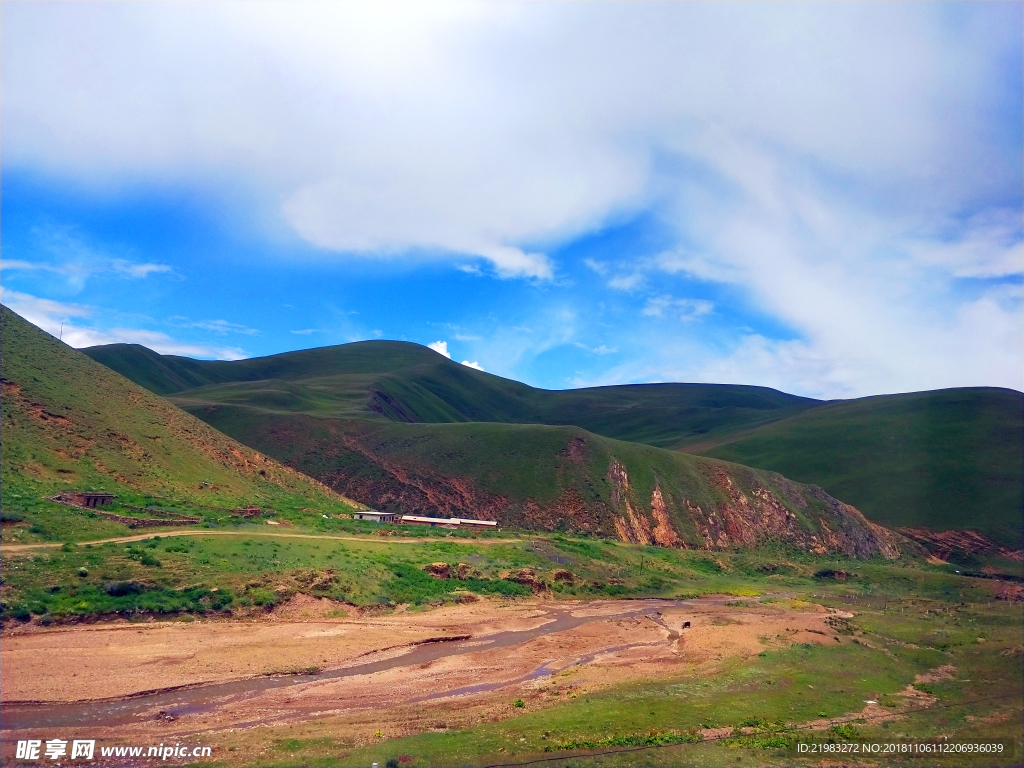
(943, 544)
(525, 576)
(664, 533)
(634, 527)
(438, 570)
(563, 576)
(731, 506)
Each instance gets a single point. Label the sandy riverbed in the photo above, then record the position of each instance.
(465, 682)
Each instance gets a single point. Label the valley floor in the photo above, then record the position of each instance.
(368, 680)
(241, 641)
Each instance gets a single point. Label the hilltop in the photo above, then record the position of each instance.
(950, 459)
(70, 423)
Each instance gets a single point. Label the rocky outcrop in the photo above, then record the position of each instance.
(560, 575)
(635, 526)
(438, 570)
(944, 544)
(664, 533)
(643, 495)
(526, 576)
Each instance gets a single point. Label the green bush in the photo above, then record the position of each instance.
(413, 586)
(264, 598)
(846, 731)
(21, 613)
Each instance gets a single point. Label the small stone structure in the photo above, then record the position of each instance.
(89, 500)
(85, 498)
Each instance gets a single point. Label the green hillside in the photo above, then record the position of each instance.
(398, 381)
(951, 459)
(72, 424)
(556, 478)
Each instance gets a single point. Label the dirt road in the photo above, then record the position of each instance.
(13, 549)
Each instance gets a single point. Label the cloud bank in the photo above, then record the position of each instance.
(851, 172)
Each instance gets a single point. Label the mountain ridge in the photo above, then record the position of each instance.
(943, 459)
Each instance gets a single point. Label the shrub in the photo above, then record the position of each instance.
(846, 731)
(122, 588)
(264, 597)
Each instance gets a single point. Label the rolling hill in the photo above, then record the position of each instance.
(71, 423)
(399, 381)
(557, 478)
(950, 459)
(947, 459)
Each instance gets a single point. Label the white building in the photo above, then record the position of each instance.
(374, 516)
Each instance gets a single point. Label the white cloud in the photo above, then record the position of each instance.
(217, 326)
(988, 245)
(472, 365)
(441, 347)
(811, 156)
(137, 270)
(42, 312)
(55, 318)
(687, 310)
(307, 331)
(700, 266)
(627, 282)
(599, 350)
(158, 342)
(80, 264)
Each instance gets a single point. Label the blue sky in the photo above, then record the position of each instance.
(821, 198)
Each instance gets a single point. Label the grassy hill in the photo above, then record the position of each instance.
(398, 381)
(556, 478)
(950, 459)
(70, 423)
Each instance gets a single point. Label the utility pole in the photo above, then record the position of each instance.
(61, 337)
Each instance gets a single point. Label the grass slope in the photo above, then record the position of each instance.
(71, 423)
(950, 459)
(405, 382)
(547, 478)
(942, 460)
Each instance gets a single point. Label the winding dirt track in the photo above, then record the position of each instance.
(13, 549)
